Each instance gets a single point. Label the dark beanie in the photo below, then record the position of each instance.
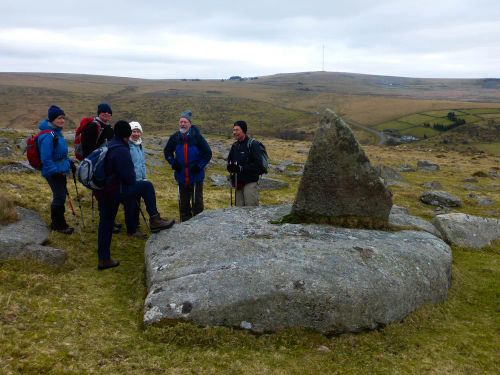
(242, 124)
(122, 129)
(54, 112)
(104, 107)
(187, 114)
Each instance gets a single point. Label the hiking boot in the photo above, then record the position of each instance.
(108, 263)
(138, 234)
(156, 223)
(67, 230)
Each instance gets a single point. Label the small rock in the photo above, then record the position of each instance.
(425, 165)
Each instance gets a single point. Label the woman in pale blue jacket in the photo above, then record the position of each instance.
(139, 160)
(137, 152)
(55, 165)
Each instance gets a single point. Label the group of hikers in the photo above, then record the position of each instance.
(187, 152)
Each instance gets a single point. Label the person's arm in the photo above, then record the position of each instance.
(169, 149)
(46, 149)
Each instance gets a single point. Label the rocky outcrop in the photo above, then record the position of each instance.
(338, 185)
(466, 230)
(263, 277)
(23, 239)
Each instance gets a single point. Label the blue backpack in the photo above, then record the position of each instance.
(91, 171)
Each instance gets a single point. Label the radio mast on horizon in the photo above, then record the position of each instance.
(323, 64)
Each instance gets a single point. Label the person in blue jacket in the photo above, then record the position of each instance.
(188, 153)
(122, 187)
(55, 165)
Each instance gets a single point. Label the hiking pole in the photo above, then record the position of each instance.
(144, 217)
(235, 186)
(70, 203)
(179, 200)
(193, 200)
(78, 200)
(92, 208)
(231, 188)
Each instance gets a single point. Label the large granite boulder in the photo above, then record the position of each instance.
(339, 186)
(234, 268)
(25, 237)
(466, 230)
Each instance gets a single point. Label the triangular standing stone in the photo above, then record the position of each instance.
(339, 186)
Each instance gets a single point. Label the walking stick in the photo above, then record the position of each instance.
(70, 203)
(78, 200)
(144, 217)
(231, 187)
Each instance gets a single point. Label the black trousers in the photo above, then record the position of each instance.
(190, 200)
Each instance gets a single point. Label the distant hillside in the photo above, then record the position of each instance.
(282, 105)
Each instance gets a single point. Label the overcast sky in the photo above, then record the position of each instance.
(219, 38)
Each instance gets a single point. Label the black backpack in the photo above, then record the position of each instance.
(264, 158)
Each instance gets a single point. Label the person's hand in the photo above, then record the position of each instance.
(194, 169)
(176, 166)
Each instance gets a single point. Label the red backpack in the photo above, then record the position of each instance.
(32, 151)
(79, 135)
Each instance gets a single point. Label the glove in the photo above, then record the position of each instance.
(234, 168)
(176, 166)
(194, 169)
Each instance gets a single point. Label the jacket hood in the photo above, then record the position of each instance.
(46, 124)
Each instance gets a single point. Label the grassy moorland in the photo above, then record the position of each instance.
(76, 320)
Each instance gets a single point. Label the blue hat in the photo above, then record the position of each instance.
(187, 114)
(104, 107)
(54, 112)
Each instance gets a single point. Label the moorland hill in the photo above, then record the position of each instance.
(281, 105)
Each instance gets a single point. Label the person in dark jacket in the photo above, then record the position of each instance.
(244, 165)
(55, 165)
(122, 187)
(99, 131)
(188, 153)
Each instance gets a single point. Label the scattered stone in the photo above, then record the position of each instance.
(155, 162)
(266, 183)
(23, 239)
(17, 167)
(400, 219)
(466, 230)
(470, 179)
(440, 198)
(434, 185)
(471, 187)
(397, 210)
(339, 186)
(5, 151)
(480, 174)
(390, 176)
(232, 267)
(481, 201)
(406, 168)
(424, 165)
(218, 180)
